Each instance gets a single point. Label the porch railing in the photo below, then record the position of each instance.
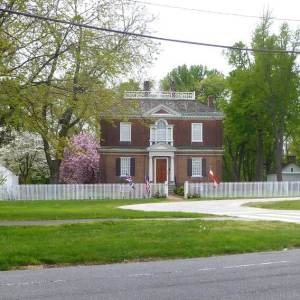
(159, 95)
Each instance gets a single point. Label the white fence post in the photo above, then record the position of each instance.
(121, 191)
(186, 189)
(166, 189)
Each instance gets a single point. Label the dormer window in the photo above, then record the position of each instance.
(161, 132)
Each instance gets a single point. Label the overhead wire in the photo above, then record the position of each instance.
(141, 35)
(232, 14)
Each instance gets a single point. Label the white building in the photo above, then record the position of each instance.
(10, 178)
(290, 171)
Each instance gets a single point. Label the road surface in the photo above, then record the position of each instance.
(273, 275)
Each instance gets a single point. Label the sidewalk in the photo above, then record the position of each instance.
(85, 221)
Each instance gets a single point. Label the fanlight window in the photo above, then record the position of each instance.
(161, 132)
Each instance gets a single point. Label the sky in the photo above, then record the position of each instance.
(209, 28)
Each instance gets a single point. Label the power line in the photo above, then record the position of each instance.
(212, 11)
(165, 39)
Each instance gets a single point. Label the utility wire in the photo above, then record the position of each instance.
(165, 39)
(212, 11)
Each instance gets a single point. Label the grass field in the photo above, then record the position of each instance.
(139, 240)
(286, 204)
(89, 209)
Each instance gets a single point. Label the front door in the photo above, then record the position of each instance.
(161, 170)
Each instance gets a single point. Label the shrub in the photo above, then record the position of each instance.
(179, 190)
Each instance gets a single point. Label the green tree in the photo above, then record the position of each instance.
(198, 78)
(65, 72)
(264, 95)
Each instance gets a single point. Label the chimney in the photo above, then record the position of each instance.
(147, 86)
(172, 86)
(291, 159)
(210, 101)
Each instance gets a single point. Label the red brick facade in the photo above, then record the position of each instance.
(210, 150)
(140, 133)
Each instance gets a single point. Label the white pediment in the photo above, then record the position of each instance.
(161, 111)
(161, 147)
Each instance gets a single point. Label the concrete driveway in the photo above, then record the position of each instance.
(232, 208)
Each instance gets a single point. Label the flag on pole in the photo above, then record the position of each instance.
(214, 178)
(147, 184)
(128, 178)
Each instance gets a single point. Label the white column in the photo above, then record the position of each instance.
(150, 168)
(172, 169)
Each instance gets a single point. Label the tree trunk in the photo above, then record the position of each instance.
(54, 171)
(259, 155)
(279, 154)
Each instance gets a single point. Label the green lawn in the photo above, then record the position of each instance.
(135, 240)
(286, 204)
(89, 209)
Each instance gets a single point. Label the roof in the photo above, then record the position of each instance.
(182, 108)
(163, 105)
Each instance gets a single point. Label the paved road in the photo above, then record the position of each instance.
(232, 208)
(272, 275)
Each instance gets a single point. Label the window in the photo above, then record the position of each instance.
(196, 132)
(161, 132)
(125, 132)
(196, 167)
(125, 166)
(292, 170)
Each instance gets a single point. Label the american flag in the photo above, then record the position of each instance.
(213, 178)
(147, 183)
(128, 178)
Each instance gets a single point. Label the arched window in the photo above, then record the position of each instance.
(161, 133)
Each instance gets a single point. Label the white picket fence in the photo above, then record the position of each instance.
(229, 190)
(81, 191)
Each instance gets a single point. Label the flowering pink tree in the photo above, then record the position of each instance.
(81, 160)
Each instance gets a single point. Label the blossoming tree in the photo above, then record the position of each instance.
(81, 160)
(24, 155)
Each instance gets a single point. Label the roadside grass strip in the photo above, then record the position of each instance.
(110, 242)
(280, 205)
(80, 209)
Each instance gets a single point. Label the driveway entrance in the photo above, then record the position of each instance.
(232, 208)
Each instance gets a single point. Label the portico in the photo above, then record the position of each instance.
(161, 162)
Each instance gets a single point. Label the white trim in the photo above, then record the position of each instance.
(193, 138)
(167, 171)
(170, 112)
(166, 152)
(124, 125)
(199, 117)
